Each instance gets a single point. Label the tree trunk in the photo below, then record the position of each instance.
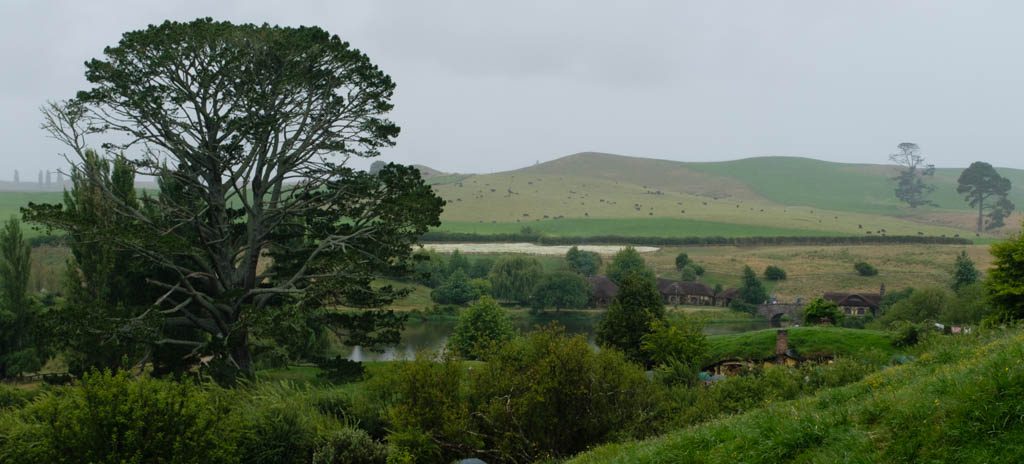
(238, 346)
(981, 212)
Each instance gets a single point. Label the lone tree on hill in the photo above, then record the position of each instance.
(910, 186)
(980, 182)
(249, 130)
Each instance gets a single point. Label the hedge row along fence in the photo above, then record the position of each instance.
(462, 237)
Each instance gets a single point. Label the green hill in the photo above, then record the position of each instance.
(755, 196)
(960, 401)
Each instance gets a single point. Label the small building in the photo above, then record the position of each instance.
(856, 304)
(602, 291)
(725, 298)
(676, 292)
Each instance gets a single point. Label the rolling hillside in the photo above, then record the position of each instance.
(589, 194)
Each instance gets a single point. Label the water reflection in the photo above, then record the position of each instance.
(432, 335)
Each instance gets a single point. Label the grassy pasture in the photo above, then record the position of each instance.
(757, 196)
(813, 270)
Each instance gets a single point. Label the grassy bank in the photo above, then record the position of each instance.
(962, 400)
(807, 341)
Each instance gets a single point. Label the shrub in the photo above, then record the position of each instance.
(340, 370)
(688, 274)
(676, 349)
(925, 304)
(774, 273)
(541, 396)
(682, 259)
(908, 333)
(822, 311)
(864, 269)
(114, 418)
(483, 324)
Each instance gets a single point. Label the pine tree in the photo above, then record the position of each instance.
(964, 272)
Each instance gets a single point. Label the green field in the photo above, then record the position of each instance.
(637, 227)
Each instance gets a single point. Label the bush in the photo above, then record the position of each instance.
(682, 259)
(114, 418)
(481, 325)
(774, 273)
(865, 269)
(119, 419)
(821, 311)
(926, 304)
(538, 397)
(340, 370)
(908, 333)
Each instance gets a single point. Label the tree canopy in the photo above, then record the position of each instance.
(248, 130)
(583, 262)
(752, 290)
(514, 277)
(910, 185)
(626, 262)
(979, 183)
(629, 317)
(560, 290)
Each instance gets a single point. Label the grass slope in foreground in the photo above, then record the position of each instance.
(961, 401)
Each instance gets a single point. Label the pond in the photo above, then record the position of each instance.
(432, 335)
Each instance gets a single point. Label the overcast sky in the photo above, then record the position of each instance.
(490, 86)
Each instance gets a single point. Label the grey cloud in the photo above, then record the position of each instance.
(486, 86)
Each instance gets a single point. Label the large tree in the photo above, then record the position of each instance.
(248, 129)
(514, 277)
(910, 186)
(979, 183)
(628, 262)
(630, 315)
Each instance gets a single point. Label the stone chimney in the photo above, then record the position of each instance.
(781, 345)
(881, 290)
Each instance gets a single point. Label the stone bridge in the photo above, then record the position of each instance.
(774, 312)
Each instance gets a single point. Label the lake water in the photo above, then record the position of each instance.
(432, 335)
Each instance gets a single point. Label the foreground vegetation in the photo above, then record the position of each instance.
(961, 400)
